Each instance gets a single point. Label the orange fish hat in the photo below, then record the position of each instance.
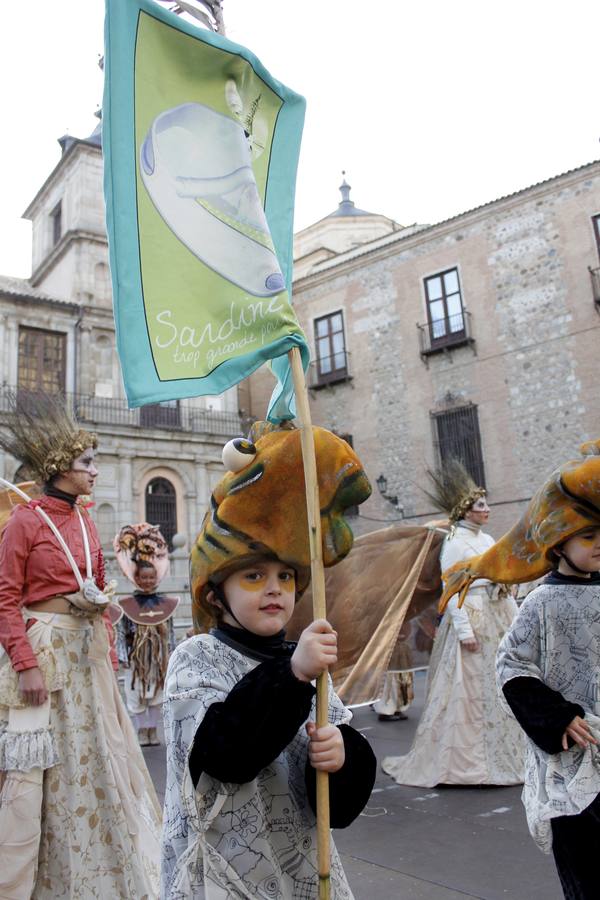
(567, 503)
(259, 509)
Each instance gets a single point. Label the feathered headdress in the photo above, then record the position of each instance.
(139, 545)
(453, 489)
(43, 435)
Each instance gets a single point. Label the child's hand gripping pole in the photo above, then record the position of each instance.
(319, 603)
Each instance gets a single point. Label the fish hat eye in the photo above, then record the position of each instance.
(237, 454)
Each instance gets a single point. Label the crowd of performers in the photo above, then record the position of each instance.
(512, 694)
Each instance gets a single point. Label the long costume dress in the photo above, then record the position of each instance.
(240, 794)
(465, 736)
(79, 816)
(145, 639)
(548, 668)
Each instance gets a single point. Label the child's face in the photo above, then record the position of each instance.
(262, 597)
(584, 550)
(145, 578)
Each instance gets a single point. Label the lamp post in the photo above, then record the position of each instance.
(382, 486)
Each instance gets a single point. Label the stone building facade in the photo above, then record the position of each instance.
(476, 337)
(57, 333)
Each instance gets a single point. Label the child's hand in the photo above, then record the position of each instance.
(326, 747)
(316, 650)
(579, 730)
(471, 644)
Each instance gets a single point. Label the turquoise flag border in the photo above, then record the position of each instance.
(118, 138)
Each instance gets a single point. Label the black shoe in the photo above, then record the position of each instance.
(393, 717)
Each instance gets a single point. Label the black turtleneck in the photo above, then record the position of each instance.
(557, 577)
(259, 718)
(55, 492)
(542, 712)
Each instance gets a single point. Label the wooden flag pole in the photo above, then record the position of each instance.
(319, 604)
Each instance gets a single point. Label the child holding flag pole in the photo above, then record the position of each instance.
(241, 755)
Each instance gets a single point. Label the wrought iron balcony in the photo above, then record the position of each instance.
(178, 416)
(329, 370)
(595, 276)
(444, 334)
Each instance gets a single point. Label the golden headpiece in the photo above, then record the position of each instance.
(568, 502)
(453, 490)
(43, 435)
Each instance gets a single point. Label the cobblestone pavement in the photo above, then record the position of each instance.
(440, 844)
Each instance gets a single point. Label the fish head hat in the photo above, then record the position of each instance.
(259, 510)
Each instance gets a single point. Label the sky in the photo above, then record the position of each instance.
(431, 107)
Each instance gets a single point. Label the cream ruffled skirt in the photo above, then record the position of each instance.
(79, 817)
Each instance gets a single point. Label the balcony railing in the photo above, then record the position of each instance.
(443, 334)
(329, 370)
(180, 416)
(595, 276)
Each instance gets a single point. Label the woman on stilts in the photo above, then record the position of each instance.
(79, 816)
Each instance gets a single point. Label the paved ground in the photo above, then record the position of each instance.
(440, 844)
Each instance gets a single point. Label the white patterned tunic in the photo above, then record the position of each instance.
(556, 639)
(223, 840)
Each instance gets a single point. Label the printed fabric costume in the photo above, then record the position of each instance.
(464, 736)
(240, 795)
(548, 665)
(145, 633)
(79, 816)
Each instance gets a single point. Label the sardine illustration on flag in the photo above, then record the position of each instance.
(201, 148)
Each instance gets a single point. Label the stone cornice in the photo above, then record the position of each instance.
(59, 250)
(390, 245)
(65, 306)
(65, 160)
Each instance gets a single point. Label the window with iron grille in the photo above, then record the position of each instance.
(56, 222)
(331, 348)
(161, 507)
(41, 360)
(457, 436)
(444, 306)
(596, 224)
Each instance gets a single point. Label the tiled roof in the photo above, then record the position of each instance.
(20, 287)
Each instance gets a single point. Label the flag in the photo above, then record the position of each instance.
(200, 148)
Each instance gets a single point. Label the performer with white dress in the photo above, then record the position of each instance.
(464, 735)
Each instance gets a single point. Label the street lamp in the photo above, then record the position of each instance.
(382, 486)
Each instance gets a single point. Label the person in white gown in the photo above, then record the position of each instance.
(465, 736)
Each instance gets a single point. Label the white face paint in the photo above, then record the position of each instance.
(479, 512)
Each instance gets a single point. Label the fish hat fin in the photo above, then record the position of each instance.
(567, 503)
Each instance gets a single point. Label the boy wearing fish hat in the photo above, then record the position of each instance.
(548, 663)
(242, 745)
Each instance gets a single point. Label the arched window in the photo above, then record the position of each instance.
(161, 507)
